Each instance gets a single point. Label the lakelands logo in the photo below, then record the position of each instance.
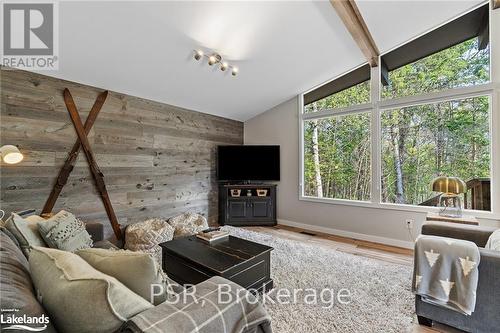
(22, 322)
(30, 35)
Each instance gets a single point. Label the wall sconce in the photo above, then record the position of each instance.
(215, 59)
(10, 154)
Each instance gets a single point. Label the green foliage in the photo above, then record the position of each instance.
(458, 66)
(359, 94)
(449, 138)
(418, 143)
(344, 150)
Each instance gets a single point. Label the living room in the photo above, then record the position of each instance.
(204, 166)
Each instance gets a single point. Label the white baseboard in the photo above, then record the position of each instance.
(349, 234)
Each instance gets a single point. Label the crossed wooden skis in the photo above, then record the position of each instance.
(82, 141)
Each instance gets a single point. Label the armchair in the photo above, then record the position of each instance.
(486, 316)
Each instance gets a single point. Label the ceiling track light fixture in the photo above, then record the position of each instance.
(215, 59)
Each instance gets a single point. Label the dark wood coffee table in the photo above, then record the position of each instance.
(189, 260)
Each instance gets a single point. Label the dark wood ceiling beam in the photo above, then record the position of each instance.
(495, 4)
(355, 24)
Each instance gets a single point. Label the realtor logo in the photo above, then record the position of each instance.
(30, 35)
(12, 319)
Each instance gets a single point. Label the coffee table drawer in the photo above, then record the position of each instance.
(184, 272)
(253, 276)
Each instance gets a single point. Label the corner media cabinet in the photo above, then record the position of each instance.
(249, 204)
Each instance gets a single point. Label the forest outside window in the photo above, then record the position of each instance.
(455, 55)
(425, 141)
(358, 94)
(461, 65)
(344, 92)
(337, 158)
(433, 118)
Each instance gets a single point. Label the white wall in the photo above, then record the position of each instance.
(279, 126)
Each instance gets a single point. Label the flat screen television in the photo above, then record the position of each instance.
(248, 163)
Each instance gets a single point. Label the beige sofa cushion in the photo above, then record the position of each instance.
(25, 231)
(136, 270)
(494, 241)
(65, 232)
(78, 297)
(188, 224)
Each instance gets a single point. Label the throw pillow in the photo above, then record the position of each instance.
(188, 224)
(136, 270)
(145, 236)
(65, 232)
(494, 241)
(25, 231)
(78, 297)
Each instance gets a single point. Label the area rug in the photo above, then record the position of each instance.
(380, 292)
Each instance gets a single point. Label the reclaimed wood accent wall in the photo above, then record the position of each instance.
(157, 159)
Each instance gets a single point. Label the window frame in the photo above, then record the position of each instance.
(377, 105)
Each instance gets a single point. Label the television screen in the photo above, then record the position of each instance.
(247, 163)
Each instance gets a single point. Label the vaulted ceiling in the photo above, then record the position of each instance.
(282, 48)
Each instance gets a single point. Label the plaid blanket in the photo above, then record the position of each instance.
(446, 272)
(213, 306)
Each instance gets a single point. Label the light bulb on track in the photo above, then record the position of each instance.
(198, 54)
(212, 60)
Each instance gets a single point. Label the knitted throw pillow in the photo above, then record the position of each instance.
(188, 224)
(65, 232)
(145, 236)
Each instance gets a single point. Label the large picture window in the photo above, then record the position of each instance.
(422, 142)
(337, 157)
(429, 115)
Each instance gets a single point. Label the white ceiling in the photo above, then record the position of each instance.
(282, 48)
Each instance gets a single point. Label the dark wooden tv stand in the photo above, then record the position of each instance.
(247, 209)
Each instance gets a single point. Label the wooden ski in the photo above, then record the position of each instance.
(94, 168)
(69, 164)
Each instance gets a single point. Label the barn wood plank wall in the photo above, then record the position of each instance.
(157, 159)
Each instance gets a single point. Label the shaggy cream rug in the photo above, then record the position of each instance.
(380, 293)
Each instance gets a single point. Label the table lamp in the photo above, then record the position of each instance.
(449, 200)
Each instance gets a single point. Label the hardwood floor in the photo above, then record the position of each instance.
(356, 247)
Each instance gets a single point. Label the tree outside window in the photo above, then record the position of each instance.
(418, 142)
(422, 142)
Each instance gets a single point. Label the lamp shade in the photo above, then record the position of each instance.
(452, 185)
(10, 154)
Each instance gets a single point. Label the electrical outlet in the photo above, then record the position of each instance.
(409, 223)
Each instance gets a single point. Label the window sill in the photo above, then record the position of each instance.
(391, 206)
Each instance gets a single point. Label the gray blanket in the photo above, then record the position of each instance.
(206, 310)
(446, 272)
